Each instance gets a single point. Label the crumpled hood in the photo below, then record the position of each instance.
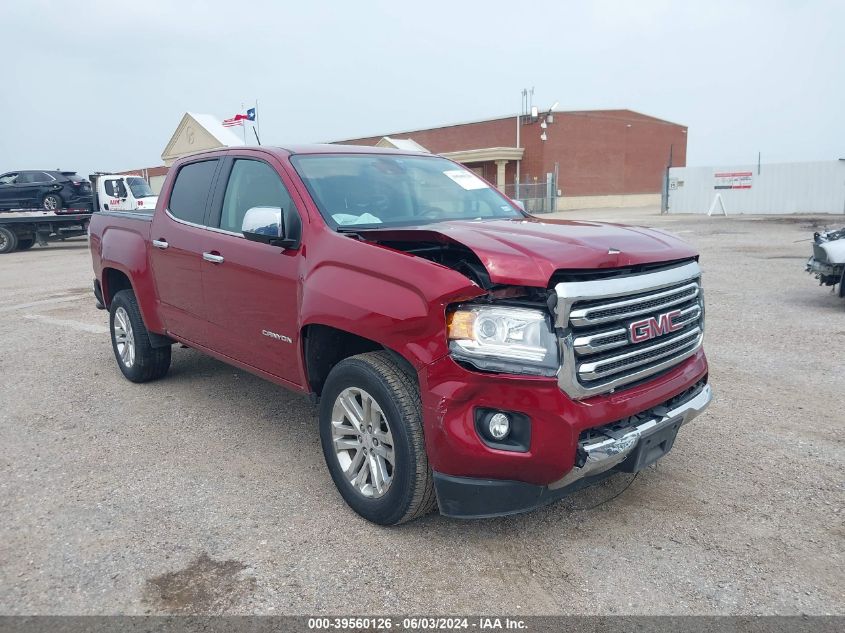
(528, 251)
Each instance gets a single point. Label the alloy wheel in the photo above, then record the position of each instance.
(363, 443)
(123, 337)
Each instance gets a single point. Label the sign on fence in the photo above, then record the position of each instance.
(732, 180)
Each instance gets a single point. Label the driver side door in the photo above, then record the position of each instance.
(115, 190)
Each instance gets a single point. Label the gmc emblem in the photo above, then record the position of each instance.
(652, 327)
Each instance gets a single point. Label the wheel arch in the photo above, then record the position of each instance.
(115, 278)
(324, 346)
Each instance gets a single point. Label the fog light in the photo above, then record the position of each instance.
(499, 426)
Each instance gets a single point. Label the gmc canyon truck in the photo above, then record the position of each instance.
(464, 354)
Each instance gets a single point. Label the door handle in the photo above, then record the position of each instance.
(211, 257)
(162, 244)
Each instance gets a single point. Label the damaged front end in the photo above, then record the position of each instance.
(828, 261)
(508, 329)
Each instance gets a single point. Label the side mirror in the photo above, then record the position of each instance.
(519, 204)
(267, 225)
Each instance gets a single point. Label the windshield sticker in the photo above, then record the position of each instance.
(466, 179)
(347, 218)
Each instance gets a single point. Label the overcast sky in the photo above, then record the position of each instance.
(102, 85)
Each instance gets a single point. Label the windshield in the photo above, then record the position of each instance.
(139, 187)
(382, 190)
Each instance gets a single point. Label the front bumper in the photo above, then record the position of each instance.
(633, 447)
(451, 394)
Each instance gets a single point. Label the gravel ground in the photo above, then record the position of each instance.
(206, 491)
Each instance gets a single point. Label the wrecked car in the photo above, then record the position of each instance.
(827, 263)
(463, 354)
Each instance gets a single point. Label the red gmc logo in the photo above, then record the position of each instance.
(652, 327)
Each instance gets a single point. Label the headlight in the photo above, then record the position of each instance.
(514, 340)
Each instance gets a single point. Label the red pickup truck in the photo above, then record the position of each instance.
(464, 354)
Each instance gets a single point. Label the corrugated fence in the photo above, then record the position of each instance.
(817, 187)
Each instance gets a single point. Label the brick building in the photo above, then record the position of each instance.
(599, 157)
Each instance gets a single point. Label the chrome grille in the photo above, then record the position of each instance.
(594, 319)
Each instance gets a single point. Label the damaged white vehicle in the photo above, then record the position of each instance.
(828, 260)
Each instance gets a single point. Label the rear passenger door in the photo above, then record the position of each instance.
(176, 251)
(251, 289)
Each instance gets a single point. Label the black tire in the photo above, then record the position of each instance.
(149, 363)
(25, 244)
(842, 284)
(411, 491)
(8, 240)
(52, 202)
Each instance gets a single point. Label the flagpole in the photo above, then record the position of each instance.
(257, 121)
(243, 125)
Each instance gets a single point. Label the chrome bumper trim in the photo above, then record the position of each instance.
(602, 455)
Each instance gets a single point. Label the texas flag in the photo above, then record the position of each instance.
(239, 119)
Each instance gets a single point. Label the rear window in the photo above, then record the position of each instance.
(191, 190)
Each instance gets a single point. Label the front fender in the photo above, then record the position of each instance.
(394, 299)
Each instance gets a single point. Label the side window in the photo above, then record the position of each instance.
(109, 187)
(190, 191)
(40, 176)
(8, 179)
(251, 184)
(25, 178)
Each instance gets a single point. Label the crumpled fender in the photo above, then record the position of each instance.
(393, 298)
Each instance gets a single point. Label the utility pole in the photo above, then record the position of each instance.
(523, 106)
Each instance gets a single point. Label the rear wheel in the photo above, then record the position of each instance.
(372, 437)
(137, 358)
(25, 244)
(52, 202)
(8, 241)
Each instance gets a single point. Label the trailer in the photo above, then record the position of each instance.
(21, 229)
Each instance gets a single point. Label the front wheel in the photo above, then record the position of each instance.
(372, 437)
(52, 202)
(138, 360)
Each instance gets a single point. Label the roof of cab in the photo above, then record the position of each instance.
(327, 148)
(292, 150)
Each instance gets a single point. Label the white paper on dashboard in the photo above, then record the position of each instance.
(466, 179)
(347, 218)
